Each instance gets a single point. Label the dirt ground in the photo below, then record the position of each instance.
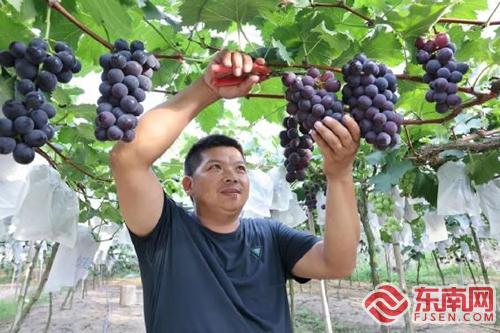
(100, 311)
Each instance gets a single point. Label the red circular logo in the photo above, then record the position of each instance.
(386, 303)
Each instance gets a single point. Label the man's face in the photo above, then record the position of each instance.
(220, 182)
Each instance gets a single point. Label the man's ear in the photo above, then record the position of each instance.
(187, 184)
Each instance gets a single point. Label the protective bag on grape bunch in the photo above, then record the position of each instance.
(435, 227)
(47, 210)
(261, 195)
(321, 207)
(455, 195)
(281, 189)
(9, 196)
(72, 264)
(399, 203)
(292, 217)
(489, 197)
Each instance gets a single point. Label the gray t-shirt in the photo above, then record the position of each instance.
(196, 280)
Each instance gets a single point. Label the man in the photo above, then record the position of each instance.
(210, 271)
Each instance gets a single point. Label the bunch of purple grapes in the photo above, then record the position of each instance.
(298, 150)
(126, 77)
(26, 123)
(310, 99)
(442, 72)
(310, 191)
(37, 68)
(370, 92)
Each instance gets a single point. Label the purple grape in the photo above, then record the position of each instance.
(318, 110)
(6, 127)
(67, 59)
(25, 86)
(308, 81)
(34, 100)
(128, 136)
(132, 68)
(316, 99)
(442, 108)
(7, 145)
(444, 55)
(453, 100)
(115, 75)
(35, 138)
(429, 96)
(49, 131)
(129, 104)
(139, 94)
(432, 66)
(462, 67)
(40, 118)
(371, 112)
(455, 77)
(6, 59)
(106, 119)
(25, 69)
(119, 90)
(367, 79)
(304, 105)
(371, 137)
(49, 109)
(422, 57)
(371, 91)
(23, 153)
(332, 85)
(145, 82)
(390, 127)
(440, 84)
(291, 108)
(379, 119)
(117, 60)
(383, 140)
(35, 55)
(46, 81)
(313, 72)
(64, 76)
(379, 100)
(13, 109)
(327, 101)
(127, 122)
(440, 97)
(114, 133)
(364, 102)
(17, 49)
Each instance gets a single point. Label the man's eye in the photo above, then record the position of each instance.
(241, 167)
(214, 166)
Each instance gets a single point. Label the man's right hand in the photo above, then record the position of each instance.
(241, 63)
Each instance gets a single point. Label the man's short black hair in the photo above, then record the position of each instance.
(193, 158)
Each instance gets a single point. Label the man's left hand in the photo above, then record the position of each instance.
(338, 144)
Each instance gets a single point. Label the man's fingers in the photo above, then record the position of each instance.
(328, 136)
(248, 83)
(323, 146)
(226, 59)
(260, 61)
(237, 62)
(353, 127)
(339, 130)
(247, 63)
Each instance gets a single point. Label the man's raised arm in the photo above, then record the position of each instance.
(139, 192)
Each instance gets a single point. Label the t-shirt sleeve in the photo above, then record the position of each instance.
(158, 236)
(293, 244)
